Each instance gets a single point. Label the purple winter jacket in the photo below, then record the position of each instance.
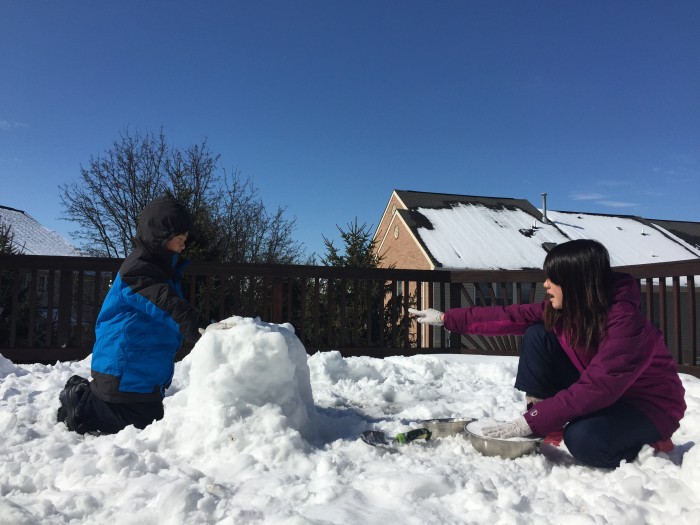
(632, 363)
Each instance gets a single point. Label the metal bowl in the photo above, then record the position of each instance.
(446, 427)
(504, 448)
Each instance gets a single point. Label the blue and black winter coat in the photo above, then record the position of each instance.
(144, 317)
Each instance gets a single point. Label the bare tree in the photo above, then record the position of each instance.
(113, 190)
(193, 181)
(231, 221)
(252, 234)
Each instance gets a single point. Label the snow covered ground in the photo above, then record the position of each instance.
(254, 432)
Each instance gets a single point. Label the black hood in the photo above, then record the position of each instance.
(160, 221)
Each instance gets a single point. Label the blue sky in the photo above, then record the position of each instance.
(327, 106)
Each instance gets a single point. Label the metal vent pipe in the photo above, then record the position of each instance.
(545, 220)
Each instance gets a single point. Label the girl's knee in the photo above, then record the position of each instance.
(535, 333)
(586, 448)
(534, 341)
(593, 449)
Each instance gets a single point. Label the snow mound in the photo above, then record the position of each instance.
(248, 380)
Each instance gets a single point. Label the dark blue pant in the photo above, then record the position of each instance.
(601, 439)
(83, 411)
(109, 418)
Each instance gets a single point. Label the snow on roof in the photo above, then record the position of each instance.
(685, 230)
(486, 237)
(630, 240)
(483, 236)
(31, 238)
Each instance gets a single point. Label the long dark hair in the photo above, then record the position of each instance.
(582, 269)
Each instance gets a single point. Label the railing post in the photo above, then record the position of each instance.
(662, 308)
(455, 302)
(442, 308)
(15, 308)
(65, 307)
(677, 340)
(692, 329)
(277, 300)
(32, 307)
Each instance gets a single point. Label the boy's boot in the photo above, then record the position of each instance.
(73, 398)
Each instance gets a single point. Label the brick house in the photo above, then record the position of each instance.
(430, 231)
(433, 231)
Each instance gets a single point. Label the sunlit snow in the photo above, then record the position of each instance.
(256, 432)
(31, 238)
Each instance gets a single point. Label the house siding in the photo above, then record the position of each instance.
(402, 250)
(406, 211)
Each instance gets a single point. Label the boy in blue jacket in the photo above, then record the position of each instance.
(142, 323)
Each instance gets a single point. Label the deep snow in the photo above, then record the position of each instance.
(256, 432)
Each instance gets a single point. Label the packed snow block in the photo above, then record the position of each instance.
(252, 364)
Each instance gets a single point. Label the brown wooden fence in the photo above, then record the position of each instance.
(50, 304)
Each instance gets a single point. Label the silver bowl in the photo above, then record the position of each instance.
(504, 448)
(446, 427)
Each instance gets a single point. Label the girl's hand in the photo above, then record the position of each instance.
(429, 316)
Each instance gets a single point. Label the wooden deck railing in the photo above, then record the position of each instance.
(50, 304)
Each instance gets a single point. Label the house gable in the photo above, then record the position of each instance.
(394, 204)
(399, 247)
(395, 240)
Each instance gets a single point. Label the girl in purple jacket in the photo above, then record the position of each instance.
(590, 363)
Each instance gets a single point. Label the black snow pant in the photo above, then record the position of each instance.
(83, 411)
